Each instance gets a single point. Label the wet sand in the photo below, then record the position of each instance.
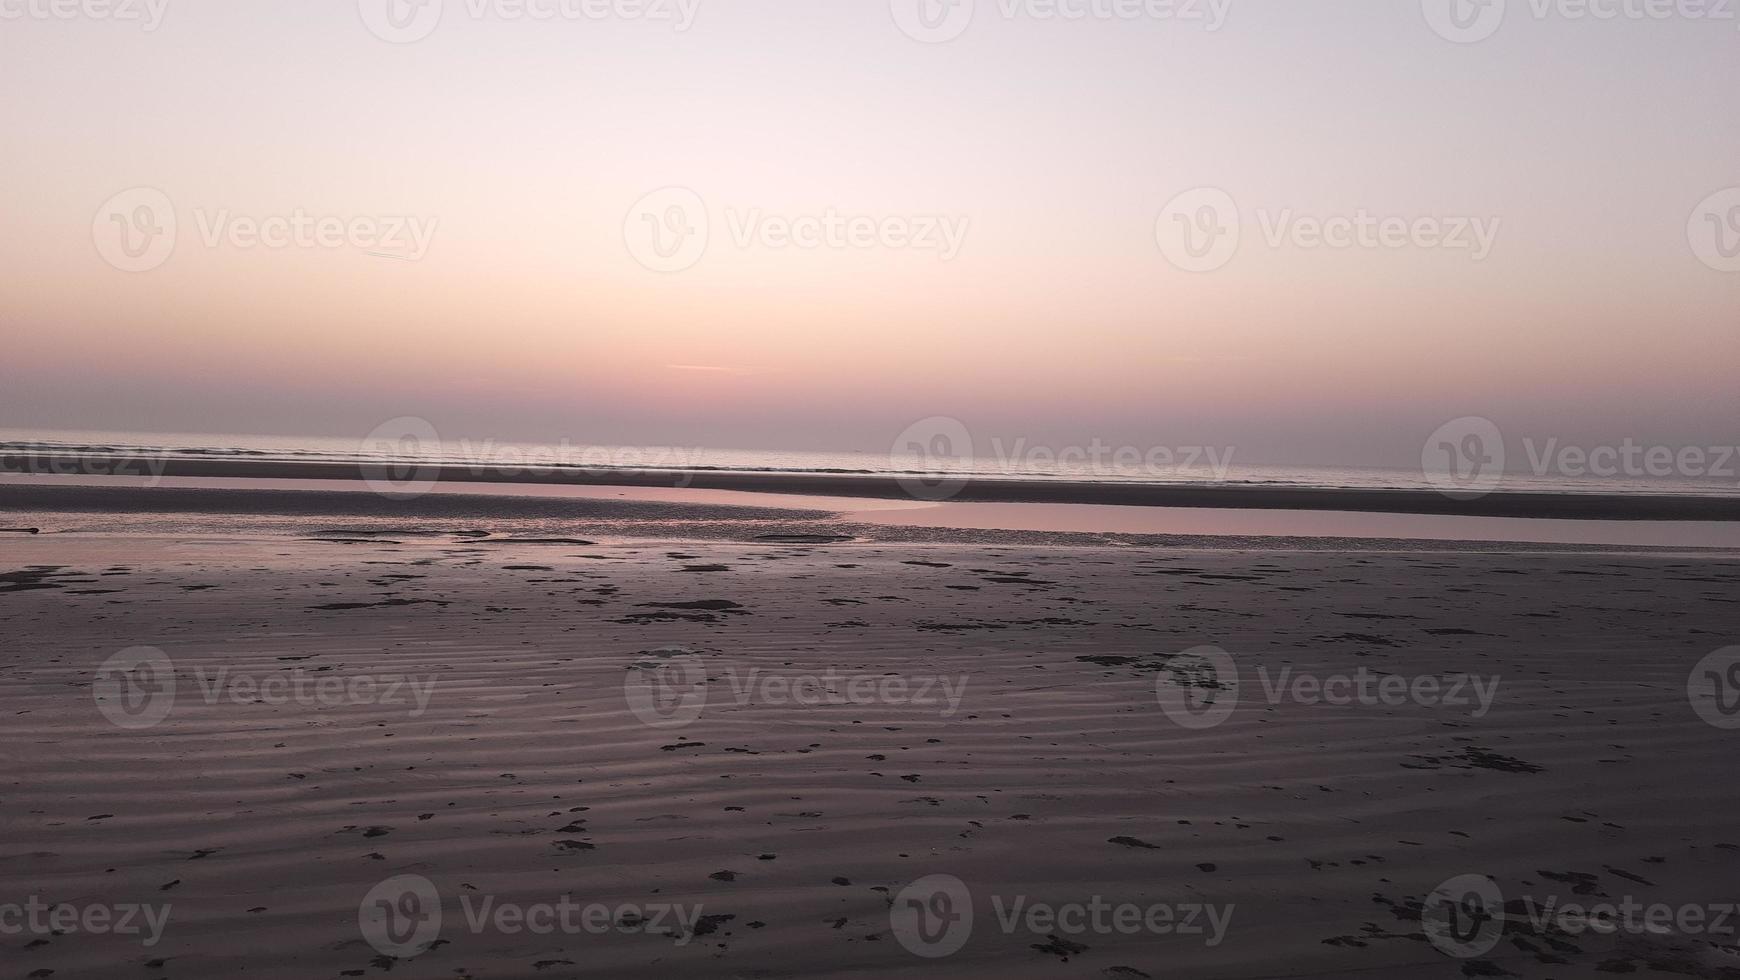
(92, 503)
(531, 769)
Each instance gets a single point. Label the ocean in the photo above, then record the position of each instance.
(1205, 467)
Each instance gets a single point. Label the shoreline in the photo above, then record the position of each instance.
(466, 516)
(1501, 503)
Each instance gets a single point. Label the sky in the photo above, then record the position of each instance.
(806, 225)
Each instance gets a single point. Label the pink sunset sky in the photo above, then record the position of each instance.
(529, 312)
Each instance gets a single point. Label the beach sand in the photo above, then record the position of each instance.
(527, 750)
